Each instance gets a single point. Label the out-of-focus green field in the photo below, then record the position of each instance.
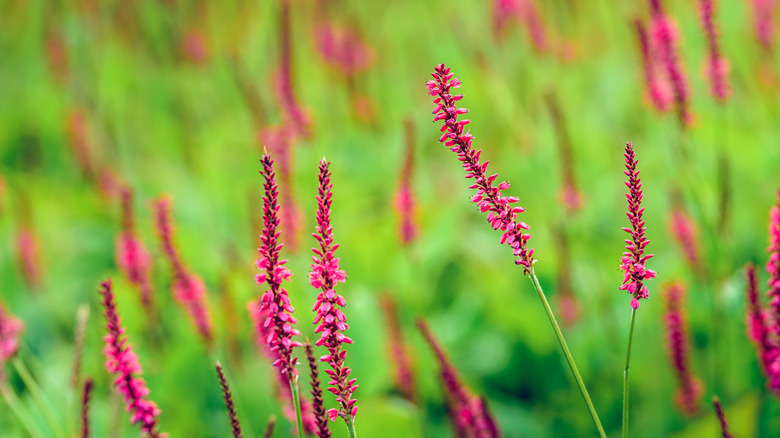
(164, 123)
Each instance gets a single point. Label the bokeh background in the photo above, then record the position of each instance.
(180, 97)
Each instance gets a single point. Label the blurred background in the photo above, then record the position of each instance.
(181, 97)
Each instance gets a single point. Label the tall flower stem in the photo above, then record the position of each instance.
(567, 353)
(625, 374)
(297, 405)
(37, 394)
(16, 405)
(351, 427)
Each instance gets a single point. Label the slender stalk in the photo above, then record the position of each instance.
(297, 404)
(351, 426)
(16, 405)
(625, 374)
(567, 353)
(37, 394)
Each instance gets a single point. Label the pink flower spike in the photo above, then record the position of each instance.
(773, 266)
(123, 363)
(658, 89)
(399, 355)
(685, 233)
(664, 40)
(404, 197)
(275, 302)
(131, 255)
(28, 255)
(716, 68)
(500, 212)
(633, 260)
(330, 321)
(724, 426)
(188, 289)
(690, 389)
(764, 22)
(10, 330)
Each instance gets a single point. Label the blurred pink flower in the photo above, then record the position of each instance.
(634, 259)
(525, 11)
(690, 389)
(188, 289)
(131, 254)
(685, 233)
(28, 256)
(399, 355)
(195, 46)
(764, 22)
(279, 141)
(500, 212)
(123, 363)
(659, 90)
(664, 37)
(716, 68)
(10, 330)
(343, 48)
(404, 197)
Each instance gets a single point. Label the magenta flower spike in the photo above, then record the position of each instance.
(404, 196)
(318, 404)
(759, 332)
(773, 265)
(330, 320)
(500, 212)
(275, 300)
(295, 116)
(685, 233)
(634, 259)
(28, 255)
(717, 68)
(764, 22)
(343, 48)
(469, 413)
(659, 91)
(123, 363)
(10, 330)
(131, 254)
(724, 425)
(188, 289)
(690, 389)
(259, 317)
(399, 356)
(664, 41)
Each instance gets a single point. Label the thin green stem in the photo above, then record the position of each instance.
(297, 404)
(625, 374)
(37, 394)
(351, 426)
(16, 405)
(567, 353)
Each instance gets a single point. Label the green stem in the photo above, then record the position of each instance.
(351, 426)
(297, 404)
(37, 394)
(16, 405)
(625, 374)
(567, 353)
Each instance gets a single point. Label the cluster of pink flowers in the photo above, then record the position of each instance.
(330, 320)
(121, 361)
(28, 254)
(188, 289)
(471, 418)
(343, 48)
(664, 76)
(685, 233)
(131, 254)
(764, 22)
(690, 389)
(500, 212)
(717, 68)
(525, 11)
(404, 196)
(634, 259)
(10, 330)
(275, 301)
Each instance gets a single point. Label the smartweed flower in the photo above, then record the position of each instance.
(690, 389)
(500, 212)
(717, 68)
(664, 38)
(764, 22)
(470, 418)
(275, 301)
(28, 256)
(86, 394)
(634, 259)
(330, 320)
(228, 396)
(10, 330)
(123, 363)
(658, 88)
(131, 255)
(399, 356)
(724, 426)
(188, 289)
(685, 233)
(318, 404)
(404, 196)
